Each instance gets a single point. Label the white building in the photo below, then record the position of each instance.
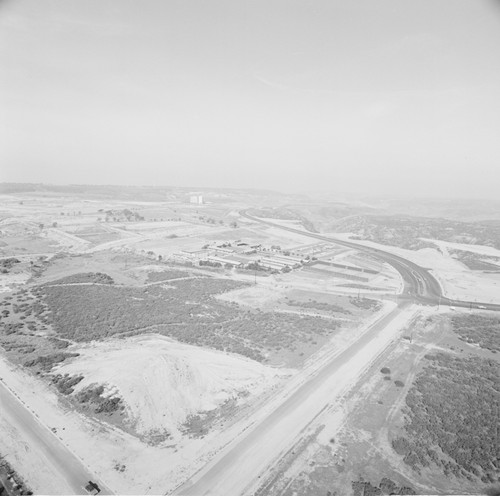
(196, 199)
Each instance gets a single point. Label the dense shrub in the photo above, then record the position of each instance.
(386, 486)
(46, 362)
(317, 305)
(85, 278)
(8, 263)
(186, 311)
(452, 408)
(365, 303)
(65, 383)
(483, 330)
(91, 397)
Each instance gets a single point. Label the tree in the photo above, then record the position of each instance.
(41, 226)
(54, 224)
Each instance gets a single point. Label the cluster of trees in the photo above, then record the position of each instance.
(91, 398)
(483, 330)
(451, 418)
(125, 214)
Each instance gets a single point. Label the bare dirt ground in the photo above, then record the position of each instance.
(163, 382)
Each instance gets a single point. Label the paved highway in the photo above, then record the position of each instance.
(419, 284)
(237, 470)
(40, 438)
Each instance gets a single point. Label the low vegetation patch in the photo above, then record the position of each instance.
(165, 275)
(451, 418)
(46, 362)
(92, 399)
(365, 303)
(186, 311)
(317, 305)
(64, 383)
(11, 482)
(483, 330)
(386, 486)
(85, 278)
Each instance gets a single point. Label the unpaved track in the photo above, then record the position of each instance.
(238, 469)
(70, 469)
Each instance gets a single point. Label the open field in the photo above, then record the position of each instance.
(124, 341)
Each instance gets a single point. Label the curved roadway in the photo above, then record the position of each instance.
(420, 284)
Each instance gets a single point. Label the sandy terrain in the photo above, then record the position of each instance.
(162, 381)
(487, 251)
(457, 281)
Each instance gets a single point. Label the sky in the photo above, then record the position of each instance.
(373, 97)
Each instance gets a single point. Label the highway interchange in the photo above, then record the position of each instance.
(420, 285)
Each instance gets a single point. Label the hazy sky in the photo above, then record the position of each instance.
(385, 96)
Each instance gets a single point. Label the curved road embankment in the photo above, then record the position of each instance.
(419, 284)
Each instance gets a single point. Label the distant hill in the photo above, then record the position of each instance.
(136, 193)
